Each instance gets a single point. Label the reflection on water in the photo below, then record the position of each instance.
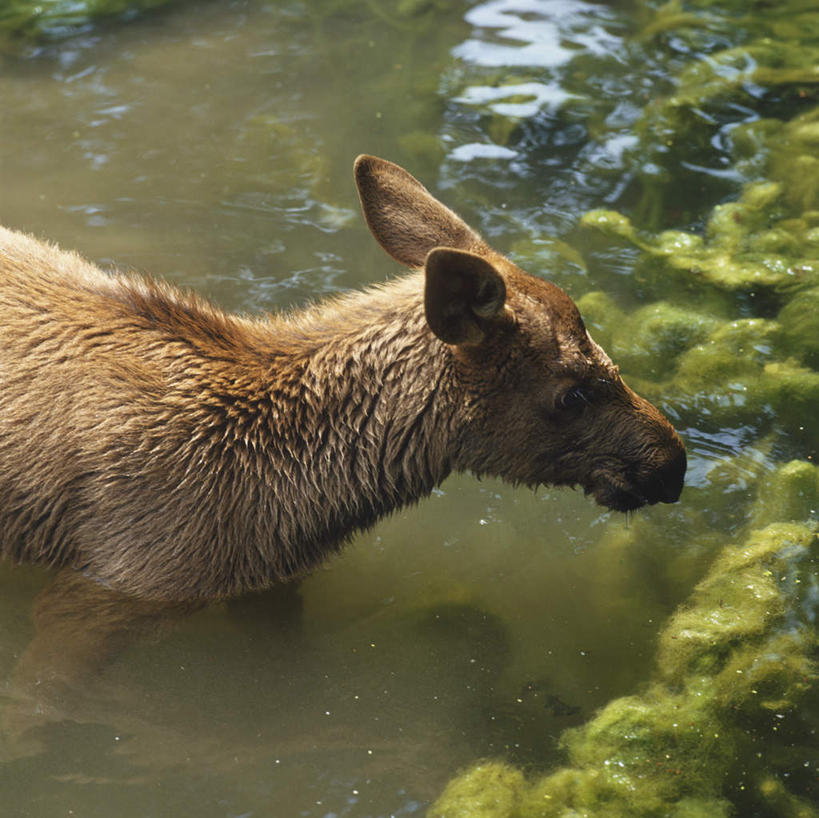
(535, 33)
(80, 627)
(212, 144)
(252, 694)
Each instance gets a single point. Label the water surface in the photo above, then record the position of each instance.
(212, 144)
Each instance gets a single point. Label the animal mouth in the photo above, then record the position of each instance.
(618, 497)
(622, 491)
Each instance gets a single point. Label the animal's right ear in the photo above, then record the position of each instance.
(405, 218)
(464, 295)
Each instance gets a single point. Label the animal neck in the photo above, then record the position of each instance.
(360, 421)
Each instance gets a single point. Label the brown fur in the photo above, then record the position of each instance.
(175, 451)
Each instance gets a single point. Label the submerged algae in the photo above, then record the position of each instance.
(736, 667)
(645, 342)
(723, 76)
(722, 327)
(737, 662)
(757, 259)
(717, 370)
(737, 66)
(751, 245)
(54, 19)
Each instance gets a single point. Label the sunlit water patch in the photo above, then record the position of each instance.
(516, 90)
(534, 33)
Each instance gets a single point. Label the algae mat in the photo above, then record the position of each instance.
(722, 329)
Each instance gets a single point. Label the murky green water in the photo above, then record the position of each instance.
(212, 143)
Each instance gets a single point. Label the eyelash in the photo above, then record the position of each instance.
(573, 399)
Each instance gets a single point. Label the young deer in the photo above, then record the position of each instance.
(174, 451)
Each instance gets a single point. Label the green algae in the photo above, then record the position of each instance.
(736, 662)
(744, 370)
(745, 249)
(737, 58)
(489, 790)
(724, 76)
(790, 493)
(736, 665)
(757, 253)
(54, 19)
(765, 240)
(722, 326)
(800, 327)
(657, 333)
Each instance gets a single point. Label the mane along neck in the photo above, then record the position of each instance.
(366, 430)
(251, 448)
(341, 415)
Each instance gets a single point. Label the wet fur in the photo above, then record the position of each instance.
(175, 451)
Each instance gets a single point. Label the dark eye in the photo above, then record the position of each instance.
(574, 399)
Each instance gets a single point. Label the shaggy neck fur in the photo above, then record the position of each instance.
(207, 454)
(360, 420)
(279, 439)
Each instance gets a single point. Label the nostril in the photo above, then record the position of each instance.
(670, 478)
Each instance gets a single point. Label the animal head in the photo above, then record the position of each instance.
(539, 402)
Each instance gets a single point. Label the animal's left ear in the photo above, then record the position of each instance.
(405, 218)
(464, 294)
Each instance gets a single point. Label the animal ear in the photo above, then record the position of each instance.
(463, 295)
(405, 218)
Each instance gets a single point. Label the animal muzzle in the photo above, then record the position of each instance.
(665, 484)
(628, 489)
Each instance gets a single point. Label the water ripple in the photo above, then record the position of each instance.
(540, 31)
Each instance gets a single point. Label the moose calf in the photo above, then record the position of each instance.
(174, 451)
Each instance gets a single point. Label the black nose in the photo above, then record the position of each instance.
(668, 479)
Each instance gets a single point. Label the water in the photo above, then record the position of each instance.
(212, 144)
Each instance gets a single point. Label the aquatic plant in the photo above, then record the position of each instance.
(758, 254)
(736, 672)
(54, 19)
(722, 324)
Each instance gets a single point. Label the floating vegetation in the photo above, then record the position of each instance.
(720, 323)
(758, 257)
(726, 724)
